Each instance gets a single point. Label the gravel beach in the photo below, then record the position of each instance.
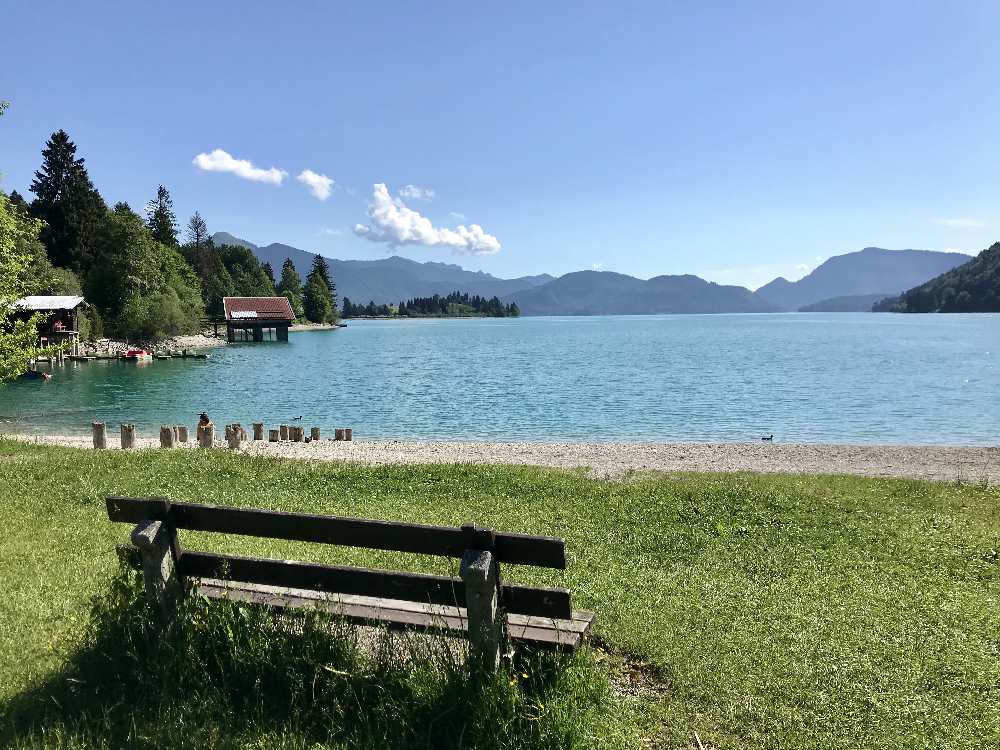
(616, 460)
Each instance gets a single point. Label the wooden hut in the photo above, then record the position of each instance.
(257, 318)
(60, 319)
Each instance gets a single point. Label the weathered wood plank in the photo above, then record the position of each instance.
(521, 549)
(416, 587)
(546, 632)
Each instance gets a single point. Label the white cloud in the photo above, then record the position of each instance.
(596, 266)
(961, 222)
(221, 161)
(395, 224)
(457, 215)
(319, 184)
(415, 192)
(329, 231)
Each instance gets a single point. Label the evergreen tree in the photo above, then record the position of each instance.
(316, 300)
(160, 218)
(327, 309)
(197, 231)
(290, 287)
(65, 199)
(269, 272)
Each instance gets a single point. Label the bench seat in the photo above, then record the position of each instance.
(542, 632)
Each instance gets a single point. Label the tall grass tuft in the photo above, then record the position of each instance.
(226, 675)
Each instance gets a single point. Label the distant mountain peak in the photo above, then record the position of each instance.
(873, 270)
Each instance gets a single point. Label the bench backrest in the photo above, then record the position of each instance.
(394, 536)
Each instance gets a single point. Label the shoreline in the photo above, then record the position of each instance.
(617, 460)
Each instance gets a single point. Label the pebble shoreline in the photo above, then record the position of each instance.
(616, 460)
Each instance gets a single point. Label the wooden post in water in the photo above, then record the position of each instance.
(128, 436)
(283, 430)
(182, 433)
(348, 433)
(258, 430)
(206, 436)
(272, 436)
(338, 433)
(100, 435)
(166, 437)
(314, 434)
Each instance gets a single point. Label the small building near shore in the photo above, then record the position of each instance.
(60, 321)
(257, 318)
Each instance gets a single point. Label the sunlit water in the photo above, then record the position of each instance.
(852, 378)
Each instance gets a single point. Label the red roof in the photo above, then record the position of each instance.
(266, 308)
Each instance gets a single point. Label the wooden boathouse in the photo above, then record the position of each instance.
(257, 318)
(59, 322)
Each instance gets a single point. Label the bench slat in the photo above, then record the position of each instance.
(416, 587)
(521, 549)
(546, 632)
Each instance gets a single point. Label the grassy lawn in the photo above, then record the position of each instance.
(755, 611)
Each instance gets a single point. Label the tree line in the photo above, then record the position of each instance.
(973, 286)
(456, 304)
(141, 279)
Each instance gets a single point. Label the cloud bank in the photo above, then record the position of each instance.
(415, 192)
(319, 184)
(394, 223)
(221, 161)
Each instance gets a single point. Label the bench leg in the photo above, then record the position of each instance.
(486, 626)
(163, 587)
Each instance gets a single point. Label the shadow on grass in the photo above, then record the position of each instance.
(231, 675)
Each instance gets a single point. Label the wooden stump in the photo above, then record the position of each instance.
(100, 435)
(283, 430)
(258, 430)
(233, 434)
(128, 436)
(206, 436)
(338, 434)
(298, 433)
(314, 434)
(348, 433)
(182, 433)
(166, 437)
(272, 436)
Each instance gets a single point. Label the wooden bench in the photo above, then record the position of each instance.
(478, 602)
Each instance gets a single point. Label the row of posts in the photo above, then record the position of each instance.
(174, 435)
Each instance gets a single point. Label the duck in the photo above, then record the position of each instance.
(767, 438)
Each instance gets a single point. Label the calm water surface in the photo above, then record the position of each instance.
(853, 378)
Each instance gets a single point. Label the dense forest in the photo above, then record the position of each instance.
(142, 280)
(970, 287)
(456, 304)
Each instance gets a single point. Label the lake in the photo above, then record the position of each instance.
(846, 378)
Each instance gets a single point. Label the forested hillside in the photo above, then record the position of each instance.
(971, 287)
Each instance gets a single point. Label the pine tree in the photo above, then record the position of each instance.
(321, 270)
(269, 272)
(160, 218)
(290, 287)
(68, 203)
(197, 231)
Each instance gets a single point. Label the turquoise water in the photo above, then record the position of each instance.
(853, 378)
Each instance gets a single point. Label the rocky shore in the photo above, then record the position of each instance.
(617, 460)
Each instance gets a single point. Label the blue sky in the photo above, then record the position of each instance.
(737, 141)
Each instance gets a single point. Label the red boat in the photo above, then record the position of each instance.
(138, 355)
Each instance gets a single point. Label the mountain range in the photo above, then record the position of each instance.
(844, 283)
(388, 280)
(873, 271)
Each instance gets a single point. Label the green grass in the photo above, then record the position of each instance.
(755, 611)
